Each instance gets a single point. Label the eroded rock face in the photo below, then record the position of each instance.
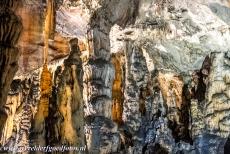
(31, 42)
(11, 27)
(66, 109)
(49, 106)
(140, 77)
(62, 121)
(217, 94)
(206, 129)
(117, 90)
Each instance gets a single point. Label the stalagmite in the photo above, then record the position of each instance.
(66, 104)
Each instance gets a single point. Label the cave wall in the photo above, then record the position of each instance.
(11, 27)
(142, 77)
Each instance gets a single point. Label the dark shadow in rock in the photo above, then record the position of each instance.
(209, 143)
(156, 149)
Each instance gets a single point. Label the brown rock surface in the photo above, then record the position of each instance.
(31, 43)
(138, 77)
(10, 27)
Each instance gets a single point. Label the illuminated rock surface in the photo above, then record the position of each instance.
(122, 76)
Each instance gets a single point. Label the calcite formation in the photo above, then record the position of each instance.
(11, 27)
(117, 89)
(27, 93)
(218, 95)
(116, 76)
(66, 108)
(33, 15)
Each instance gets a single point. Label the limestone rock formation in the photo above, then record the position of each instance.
(11, 27)
(116, 76)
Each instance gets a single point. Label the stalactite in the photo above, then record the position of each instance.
(99, 75)
(48, 29)
(117, 89)
(46, 89)
(46, 76)
(38, 125)
(39, 122)
(144, 104)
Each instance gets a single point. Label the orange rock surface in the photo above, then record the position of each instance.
(117, 94)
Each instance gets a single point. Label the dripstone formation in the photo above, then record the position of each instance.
(11, 26)
(121, 76)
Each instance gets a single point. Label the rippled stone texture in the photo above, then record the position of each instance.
(27, 93)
